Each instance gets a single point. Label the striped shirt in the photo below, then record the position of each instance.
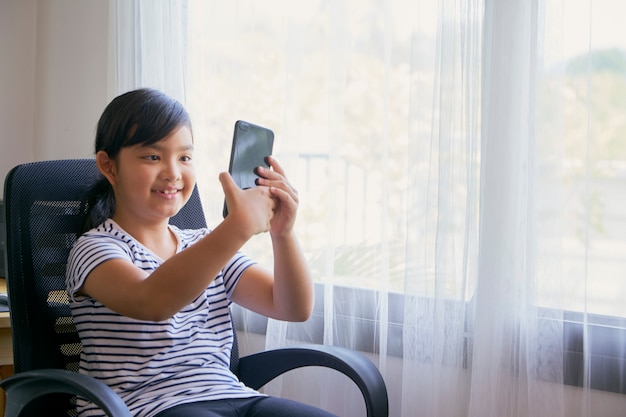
(154, 365)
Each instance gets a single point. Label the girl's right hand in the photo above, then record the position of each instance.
(250, 209)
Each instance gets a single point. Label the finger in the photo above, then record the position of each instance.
(275, 165)
(269, 177)
(273, 177)
(279, 184)
(289, 196)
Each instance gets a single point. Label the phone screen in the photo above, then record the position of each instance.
(252, 144)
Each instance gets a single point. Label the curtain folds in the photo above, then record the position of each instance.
(508, 358)
(457, 196)
(149, 46)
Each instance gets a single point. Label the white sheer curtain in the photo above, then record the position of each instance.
(148, 44)
(459, 166)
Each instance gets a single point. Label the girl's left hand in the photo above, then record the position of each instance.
(285, 195)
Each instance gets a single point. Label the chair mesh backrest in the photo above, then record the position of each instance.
(45, 203)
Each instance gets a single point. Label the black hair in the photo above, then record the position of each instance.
(138, 117)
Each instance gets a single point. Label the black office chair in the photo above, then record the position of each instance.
(44, 205)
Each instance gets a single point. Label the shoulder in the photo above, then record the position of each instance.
(104, 242)
(92, 248)
(107, 234)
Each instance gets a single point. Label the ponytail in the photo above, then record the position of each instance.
(100, 204)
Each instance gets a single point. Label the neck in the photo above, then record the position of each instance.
(155, 236)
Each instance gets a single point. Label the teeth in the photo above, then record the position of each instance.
(169, 191)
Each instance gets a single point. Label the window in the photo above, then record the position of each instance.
(583, 102)
(347, 128)
(348, 104)
(380, 118)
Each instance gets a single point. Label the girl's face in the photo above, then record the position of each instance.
(153, 182)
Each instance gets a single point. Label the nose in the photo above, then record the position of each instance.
(171, 171)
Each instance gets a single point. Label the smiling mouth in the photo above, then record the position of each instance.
(167, 193)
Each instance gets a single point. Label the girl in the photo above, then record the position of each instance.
(151, 301)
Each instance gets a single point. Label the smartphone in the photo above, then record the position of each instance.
(252, 144)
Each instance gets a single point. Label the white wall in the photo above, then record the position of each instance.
(53, 78)
(17, 82)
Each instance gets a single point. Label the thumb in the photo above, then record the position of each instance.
(228, 183)
(229, 186)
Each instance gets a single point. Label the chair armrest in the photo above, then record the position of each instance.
(260, 368)
(24, 387)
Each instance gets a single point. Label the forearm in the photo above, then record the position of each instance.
(293, 285)
(181, 278)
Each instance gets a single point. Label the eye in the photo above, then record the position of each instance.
(152, 157)
(186, 158)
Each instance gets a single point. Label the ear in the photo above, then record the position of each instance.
(106, 166)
